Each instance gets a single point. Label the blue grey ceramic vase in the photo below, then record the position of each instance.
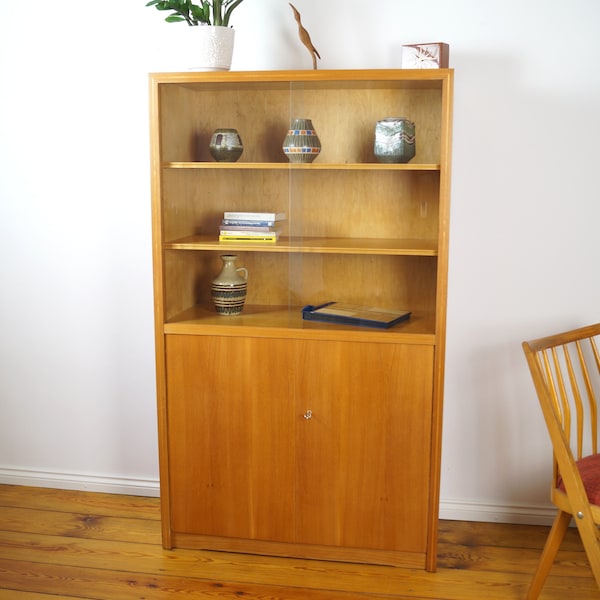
(394, 140)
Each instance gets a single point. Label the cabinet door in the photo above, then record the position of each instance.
(363, 456)
(230, 438)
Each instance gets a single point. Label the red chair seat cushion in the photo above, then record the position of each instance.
(589, 470)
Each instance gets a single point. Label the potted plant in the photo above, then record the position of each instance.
(215, 36)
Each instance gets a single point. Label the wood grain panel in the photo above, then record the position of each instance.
(363, 457)
(230, 438)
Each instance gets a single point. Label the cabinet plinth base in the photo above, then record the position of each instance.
(411, 560)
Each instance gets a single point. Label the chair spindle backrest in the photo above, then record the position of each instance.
(566, 370)
(568, 373)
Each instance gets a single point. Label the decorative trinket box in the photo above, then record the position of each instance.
(425, 56)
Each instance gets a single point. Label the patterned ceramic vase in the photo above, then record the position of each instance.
(394, 140)
(301, 144)
(229, 287)
(226, 145)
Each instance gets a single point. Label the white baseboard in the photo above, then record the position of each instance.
(458, 510)
(77, 481)
(452, 510)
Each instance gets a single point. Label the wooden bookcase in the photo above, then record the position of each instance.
(242, 467)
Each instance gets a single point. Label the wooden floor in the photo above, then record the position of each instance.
(63, 544)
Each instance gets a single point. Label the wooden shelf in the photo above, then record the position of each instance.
(315, 166)
(319, 245)
(287, 322)
(323, 79)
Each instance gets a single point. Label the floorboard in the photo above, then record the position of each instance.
(58, 544)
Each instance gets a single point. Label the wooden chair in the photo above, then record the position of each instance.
(566, 373)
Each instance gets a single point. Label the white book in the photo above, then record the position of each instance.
(254, 216)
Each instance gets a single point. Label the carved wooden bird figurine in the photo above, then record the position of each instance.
(305, 38)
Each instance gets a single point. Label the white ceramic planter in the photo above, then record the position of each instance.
(211, 47)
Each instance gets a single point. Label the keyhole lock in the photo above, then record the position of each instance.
(308, 415)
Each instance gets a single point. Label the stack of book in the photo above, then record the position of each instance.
(250, 226)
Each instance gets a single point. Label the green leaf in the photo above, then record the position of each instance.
(201, 12)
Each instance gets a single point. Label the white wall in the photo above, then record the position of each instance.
(77, 404)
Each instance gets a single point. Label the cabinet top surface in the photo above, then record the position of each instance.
(426, 77)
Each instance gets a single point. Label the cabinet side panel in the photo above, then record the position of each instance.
(441, 302)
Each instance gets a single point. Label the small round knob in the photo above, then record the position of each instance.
(580, 515)
(308, 415)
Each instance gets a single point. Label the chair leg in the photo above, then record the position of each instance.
(588, 531)
(553, 542)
